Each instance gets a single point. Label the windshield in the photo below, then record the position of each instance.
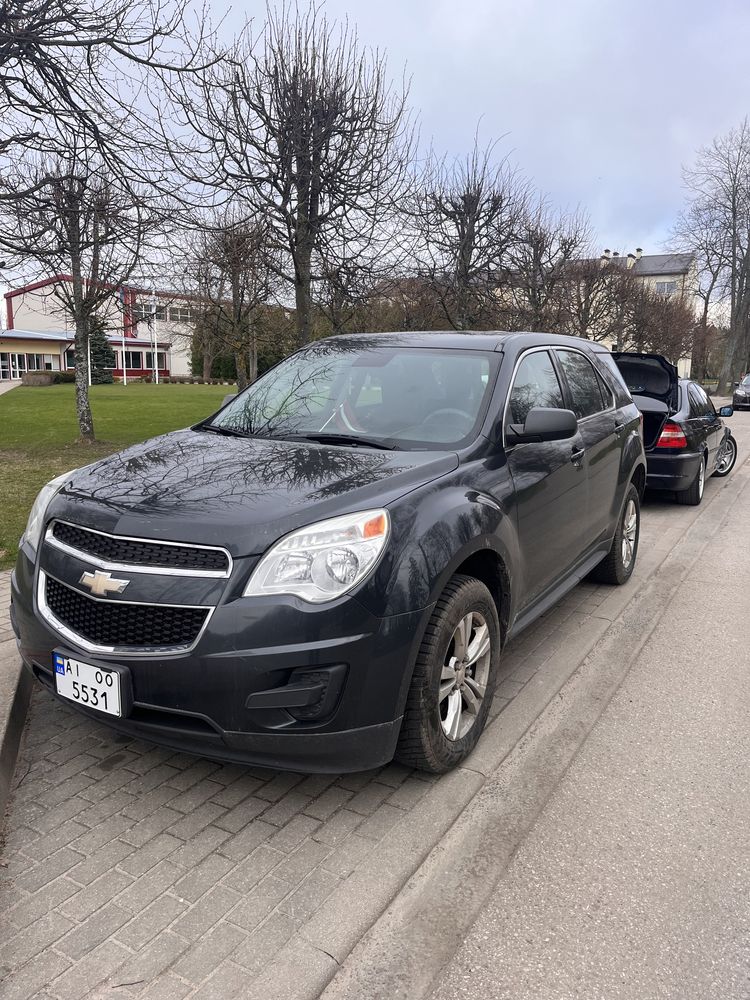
(376, 396)
(745, 383)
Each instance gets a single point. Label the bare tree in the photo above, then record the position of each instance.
(236, 278)
(81, 66)
(80, 223)
(310, 130)
(468, 215)
(548, 242)
(719, 209)
(594, 295)
(699, 230)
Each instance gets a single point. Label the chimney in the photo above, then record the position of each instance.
(638, 253)
(631, 260)
(606, 254)
(615, 254)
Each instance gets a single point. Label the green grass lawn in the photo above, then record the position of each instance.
(38, 436)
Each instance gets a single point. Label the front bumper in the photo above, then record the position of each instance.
(741, 402)
(226, 698)
(672, 470)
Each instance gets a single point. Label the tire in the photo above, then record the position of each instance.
(726, 463)
(617, 566)
(693, 495)
(439, 732)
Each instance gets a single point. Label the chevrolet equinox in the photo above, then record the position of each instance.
(323, 574)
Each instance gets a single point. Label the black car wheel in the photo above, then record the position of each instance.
(617, 566)
(693, 495)
(727, 457)
(454, 679)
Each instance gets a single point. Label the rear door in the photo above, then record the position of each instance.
(706, 421)
(549, 481)
(593, 403)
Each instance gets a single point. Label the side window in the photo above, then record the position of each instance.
(698, 401)
(708, 406)
(586, 395)
(614, 378)
(535, 384)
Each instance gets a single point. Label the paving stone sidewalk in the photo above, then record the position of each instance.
(131, 870)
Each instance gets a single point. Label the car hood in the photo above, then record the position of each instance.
(241, 493)
(649, 375)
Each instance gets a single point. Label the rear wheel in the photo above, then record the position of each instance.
(727, 457)
(617, 566)
(454, 679)
(693, 495)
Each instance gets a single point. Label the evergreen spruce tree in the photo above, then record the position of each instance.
(102, 356)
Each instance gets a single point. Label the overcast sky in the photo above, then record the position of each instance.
(601, 103)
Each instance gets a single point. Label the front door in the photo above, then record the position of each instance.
(17, 366)
(4, 366)
(550, 483)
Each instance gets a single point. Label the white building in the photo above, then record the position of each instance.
(39, 330)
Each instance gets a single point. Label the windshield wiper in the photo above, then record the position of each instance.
(353, 439)
(225, 431)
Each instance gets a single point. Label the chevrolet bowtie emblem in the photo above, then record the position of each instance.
(102, 584)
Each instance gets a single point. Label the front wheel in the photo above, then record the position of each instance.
(727, 457)
(617, 566)
(454, 679)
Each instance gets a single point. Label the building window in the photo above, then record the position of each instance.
(160, 356)
(142, 311)
(181, 314)
(134, 359)
(70, 358)
(666, 287)
(51, 363)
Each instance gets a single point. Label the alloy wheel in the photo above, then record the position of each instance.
(727, 456)
(629, 533)
(464, 676)
(701, 478)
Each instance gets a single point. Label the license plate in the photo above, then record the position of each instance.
(85, 684)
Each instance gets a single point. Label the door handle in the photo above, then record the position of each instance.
(577, 454)
(619, 428)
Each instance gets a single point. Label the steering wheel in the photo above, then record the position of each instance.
(449, 411)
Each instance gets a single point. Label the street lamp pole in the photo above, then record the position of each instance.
(152, 323)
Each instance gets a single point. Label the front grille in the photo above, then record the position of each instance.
(112, 623)
(118, 549)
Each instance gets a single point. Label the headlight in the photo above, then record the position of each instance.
(324, 560)
(36, 518)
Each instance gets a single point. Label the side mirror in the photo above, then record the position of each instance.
(229, 398)
(736, 385)
(544, 423)
(726, 411)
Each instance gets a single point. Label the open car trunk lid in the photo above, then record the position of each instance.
(653, 383)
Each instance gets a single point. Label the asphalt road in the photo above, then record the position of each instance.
(635, 881)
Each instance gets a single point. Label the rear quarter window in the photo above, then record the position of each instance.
(607, 367)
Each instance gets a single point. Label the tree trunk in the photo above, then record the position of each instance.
(240, 360)
(302, 298)
(252, 369)
(83, 407)
(208, 362)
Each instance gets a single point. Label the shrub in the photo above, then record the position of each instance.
(60, 377)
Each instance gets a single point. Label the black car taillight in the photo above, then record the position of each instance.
(672, 436)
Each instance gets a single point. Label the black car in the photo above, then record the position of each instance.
(322, 574)
(741, 395)
(685, 438)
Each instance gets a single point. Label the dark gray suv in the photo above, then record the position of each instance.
(323, 574)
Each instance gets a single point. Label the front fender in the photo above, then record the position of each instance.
(434, 531)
